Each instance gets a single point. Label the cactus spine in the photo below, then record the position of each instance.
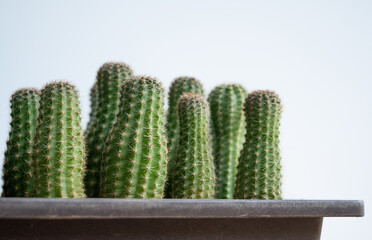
(179, 87)
(259, 175)
(135, 156)
(110, 77)
(194, 175)
(228, 124)
(58, 152)
(17, 163)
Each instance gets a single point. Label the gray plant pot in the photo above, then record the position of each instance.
(22, 218)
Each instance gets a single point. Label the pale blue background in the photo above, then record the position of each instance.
(315, 54)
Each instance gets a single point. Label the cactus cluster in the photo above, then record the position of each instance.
(17, 163)
(259, 175)
(226, 147)
(228, 124)
(135, 156)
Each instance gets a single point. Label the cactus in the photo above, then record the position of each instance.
(259, 169)
(228, 124)
(179, 87)
(58, 152)
(93, 109)
(17, 164)
(134, 161)
(194, 175)
(110, 77)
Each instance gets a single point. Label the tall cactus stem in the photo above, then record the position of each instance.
(135, 156)
(17, 163)
(59, 152)
(110, 77)
(228, 124)
(259, 169)
(178, 87)
(194, 175)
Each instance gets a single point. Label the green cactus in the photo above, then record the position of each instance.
(110, 77)
(134, 161)
(228, 124)
(194, 175)
(58, 152)
(93, 110)
(179, 87)
(17, 163)
(259, 169)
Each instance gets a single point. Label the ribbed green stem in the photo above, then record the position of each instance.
(17, 163)
(194, 175)
(259, 169)
(59, 152)
(179, 87)
(228, 124)
(135, 157)
(110, 77)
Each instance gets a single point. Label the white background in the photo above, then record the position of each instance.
(315, 54)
